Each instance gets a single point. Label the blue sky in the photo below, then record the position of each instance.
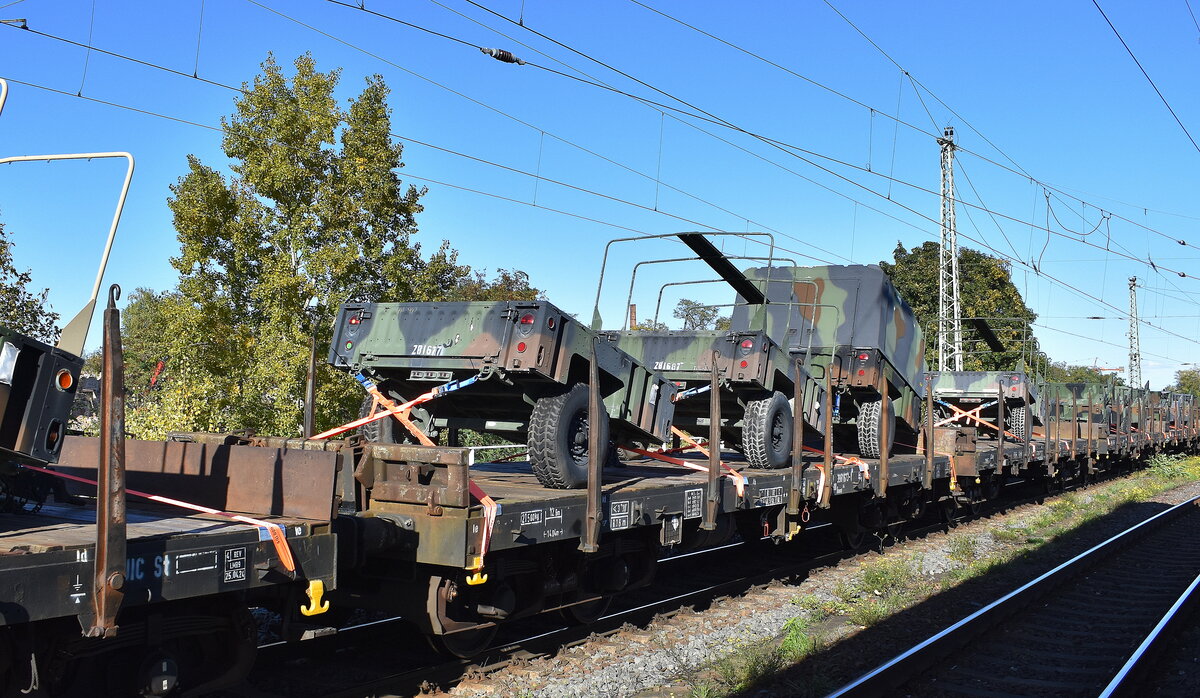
(1048, 87)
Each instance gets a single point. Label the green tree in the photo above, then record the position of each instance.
(698, 316)
(313, 214)
(1062, 372)
(1186, 381)
(986, 291)
(20, 309)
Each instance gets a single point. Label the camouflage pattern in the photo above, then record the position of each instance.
(969, 389)
(522, 350)
(750, 366)
(37, 385)
(1181, 408)
(1057, 399)
(851, 322)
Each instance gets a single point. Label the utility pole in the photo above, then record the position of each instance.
(1135, 345)
(950, 351)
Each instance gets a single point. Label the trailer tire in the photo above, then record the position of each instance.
(767, 432)
(558, 438)
(1018, 421)
(870, 424)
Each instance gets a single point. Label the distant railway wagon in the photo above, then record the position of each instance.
(973, 398)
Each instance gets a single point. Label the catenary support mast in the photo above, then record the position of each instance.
(1135, 344)
(950, 350)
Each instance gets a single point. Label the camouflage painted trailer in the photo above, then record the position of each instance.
(758, 385)
(531, 362)
(980, 390)
(849, 323)
(1065, 406)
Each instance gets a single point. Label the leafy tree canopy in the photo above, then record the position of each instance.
(986, 291)
(23, 310)
(313, 214)
(698, 316)
(1186, 381)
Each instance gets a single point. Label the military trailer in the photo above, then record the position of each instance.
(978, 393)
(757, 380)
(529, 361)
(855, 331)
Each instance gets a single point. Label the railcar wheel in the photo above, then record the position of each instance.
(870, 425)
(767, 432)
(463, 644)
(586, 612)
(558, 438)
(853, 540)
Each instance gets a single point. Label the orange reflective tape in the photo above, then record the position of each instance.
(490, 509)
(278, 537)
(739, 480)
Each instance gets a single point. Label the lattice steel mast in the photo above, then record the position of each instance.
(950, 351)
(1135, 344)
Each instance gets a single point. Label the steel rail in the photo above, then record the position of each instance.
(1129, 677)
(910, 663)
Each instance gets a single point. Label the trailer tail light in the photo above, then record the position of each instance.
(64, 380)
(864, 356)
(354, 319)
(745, 348)
(525, 324)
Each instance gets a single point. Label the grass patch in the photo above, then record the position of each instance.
(963, 548)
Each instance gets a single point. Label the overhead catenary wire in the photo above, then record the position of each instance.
(852, 182)
(176, 119)
(1147, 75)
(239, 90)
(711, 118)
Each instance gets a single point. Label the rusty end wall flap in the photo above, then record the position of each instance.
(260, 481)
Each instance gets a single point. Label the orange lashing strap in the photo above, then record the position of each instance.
(490, 509)
(739, 481)
(970, 415)
(278, 538)
(400, 412)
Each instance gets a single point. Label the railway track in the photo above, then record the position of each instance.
(1088, 627)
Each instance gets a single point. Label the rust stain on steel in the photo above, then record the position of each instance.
(220, 472)
(109, 576)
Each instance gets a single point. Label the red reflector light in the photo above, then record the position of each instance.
(744, 364)
(1014, 388)
(520, 346)
(354, 319)
(863, 357)
(862, 372)
(550, 323)
(527, 319)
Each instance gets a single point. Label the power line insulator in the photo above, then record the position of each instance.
(502, 55)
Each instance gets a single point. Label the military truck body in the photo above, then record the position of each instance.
(850, 323)
(968, 390)
(752, 369)
(522, 351)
